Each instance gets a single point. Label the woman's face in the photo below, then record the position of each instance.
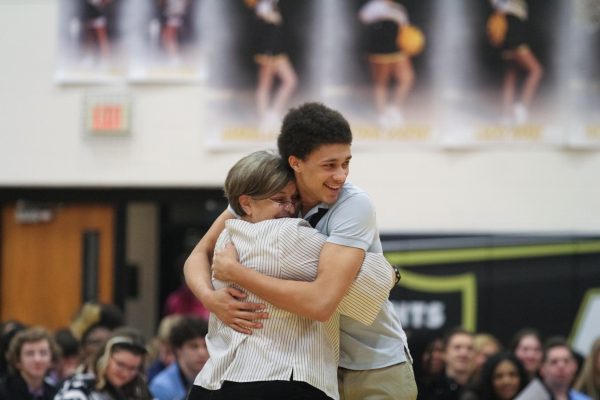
(123, 366)
(434, 358)
(485, 352)
(94, 340)
(529, 351)
(280, 205)
(35, 359)
(505, 380)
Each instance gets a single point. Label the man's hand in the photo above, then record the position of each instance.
(241, 316)
(225, 264)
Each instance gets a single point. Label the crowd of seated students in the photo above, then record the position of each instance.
(99, 356)
(462, 365)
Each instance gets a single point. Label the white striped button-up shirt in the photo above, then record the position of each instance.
(288, 344)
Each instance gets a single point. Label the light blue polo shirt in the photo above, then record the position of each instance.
(351, 221)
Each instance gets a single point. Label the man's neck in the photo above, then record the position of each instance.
(188, 376)
(559, 392)
(33, 383)
(308, 201)
(306, 207)
(460, 377)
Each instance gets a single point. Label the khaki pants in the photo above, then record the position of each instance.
(396, 382)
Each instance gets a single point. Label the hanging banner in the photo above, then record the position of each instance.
(288, 52)
(409, 74)
(165, 45)
(91, 42)
(582, 82)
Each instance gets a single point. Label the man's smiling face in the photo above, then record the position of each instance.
(321, 175)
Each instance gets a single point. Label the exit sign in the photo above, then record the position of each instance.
(108, 114)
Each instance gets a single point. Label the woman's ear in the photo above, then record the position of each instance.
(246, 204)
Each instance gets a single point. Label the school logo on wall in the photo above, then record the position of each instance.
(436, 302)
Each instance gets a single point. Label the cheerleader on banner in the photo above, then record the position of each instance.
(507, 30)
(96, 24)
(173, 13)
(391, 44)
(273, 63)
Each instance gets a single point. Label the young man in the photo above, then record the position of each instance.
(459, 354)
(30, 356)
(557, 374)
(315, 141)
(187, 341)
(558, 371)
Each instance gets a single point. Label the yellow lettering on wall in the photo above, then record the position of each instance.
(492, 132)
(246, 133)
(592, 131)
(528, 132)
(505, 133)
(366, 132)
(415, 132)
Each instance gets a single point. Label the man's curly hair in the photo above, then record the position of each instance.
(310, 126)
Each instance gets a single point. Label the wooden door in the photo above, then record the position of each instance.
(41, 271)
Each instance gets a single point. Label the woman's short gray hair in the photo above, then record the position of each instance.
(259, 175)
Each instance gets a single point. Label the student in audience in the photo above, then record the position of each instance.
(556, 375)
(527, 346)
(427, 349)
(484, 346)
(161, 353)
(8, 330)
(30, 355)
(93, 325)
(70, 355)
(116, 372)
(186, 338)
(502, 377)
(458, 356)
(589, 378)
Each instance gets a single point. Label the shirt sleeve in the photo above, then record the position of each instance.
(354, 223)
(223, 239)
(300, 250)
(370, 290)
(158, 390)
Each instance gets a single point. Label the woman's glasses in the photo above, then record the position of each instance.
(283, 203)
(124, 366)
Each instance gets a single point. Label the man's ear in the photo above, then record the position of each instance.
(245, 203)
(177, 353)
(294, 163)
